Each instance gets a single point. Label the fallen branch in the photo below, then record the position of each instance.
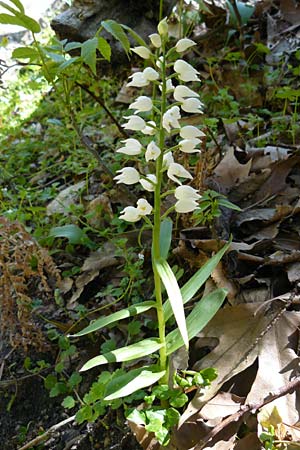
(284, 390)
(45, 436)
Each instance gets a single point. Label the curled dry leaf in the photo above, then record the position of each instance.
(230, 172)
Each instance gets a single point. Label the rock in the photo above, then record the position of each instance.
(83, 19)
(66, 198)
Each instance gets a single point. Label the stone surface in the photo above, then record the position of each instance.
(83, 19)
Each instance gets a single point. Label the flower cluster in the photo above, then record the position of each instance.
(158, 119)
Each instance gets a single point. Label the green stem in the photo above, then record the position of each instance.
(161, 4)
(156, 228)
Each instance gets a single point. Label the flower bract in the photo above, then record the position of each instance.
(184, 44)
(177, 170)
(127, 175)
(132, 147)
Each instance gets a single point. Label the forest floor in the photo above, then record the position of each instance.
(65, 256)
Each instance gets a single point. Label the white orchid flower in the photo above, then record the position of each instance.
(159, 62)
(183, 44)
(149, 183)
(142, 51)
(192, 105)
(177, 170)
(143, 206)
(127, 175)
(186, 193)
(155, 40)
(167, 160)
(185, 71)
(181, 92)
(130, 214)
(162, 27)
(135, 123)
(186, 205)
(138, 80)
(150, 74)
(170, 118)
(150, 128)
(190, 132)
(141, 104)
(169, 86)
(188, 145)
(152, 152)
(132, 147)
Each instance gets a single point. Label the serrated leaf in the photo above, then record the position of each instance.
(68, 402)
(135, 36)
(169, 280)
(197, 280)
(165, 237)
(132, 381)
(202, 313)
(128, 353)
(25, 52)
(115, 29)
(119, 315)
(88, 53)
(104, 48)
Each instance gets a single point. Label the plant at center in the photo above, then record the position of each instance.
(158, 140)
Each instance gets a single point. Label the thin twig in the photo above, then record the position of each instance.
(47, 433)
(103, 105)
(284, 390)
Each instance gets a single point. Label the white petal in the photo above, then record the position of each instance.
(152, 152)
(132, 147)
(190, 132)
(180, 92)
(149, 129)
(142, 51)
(138, 80)
(185, 71)
(141, 104)
(183, 44)
(143, 206)
(192, 105)
(177, 170)
(162, 27)
(149, 185)
(155, 40)
(186, 193)
(170, 118)
(150, 74)
(167, 160)
(135, 123)
(130, 214)
(127, 175)
(188, 145)
(186, 205)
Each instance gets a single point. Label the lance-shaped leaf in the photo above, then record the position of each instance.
(202, 313)
(115, 29)
(197, 280)
(134, 351)
(104, 48)
(174, 294)
(88, 53)
(135, 35)
(165, 237)
(112, 318)
(132, 381)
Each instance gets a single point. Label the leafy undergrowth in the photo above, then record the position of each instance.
(67, 259)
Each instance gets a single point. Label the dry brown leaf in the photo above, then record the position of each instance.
(249, 442)
(230, 172)
(277, 365)
(293, 272)
(290, 10)
(222, 281)
(239, 328)
(222, 405)
(221, 445)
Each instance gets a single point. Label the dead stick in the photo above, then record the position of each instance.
(47, 433)
(288, 389)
